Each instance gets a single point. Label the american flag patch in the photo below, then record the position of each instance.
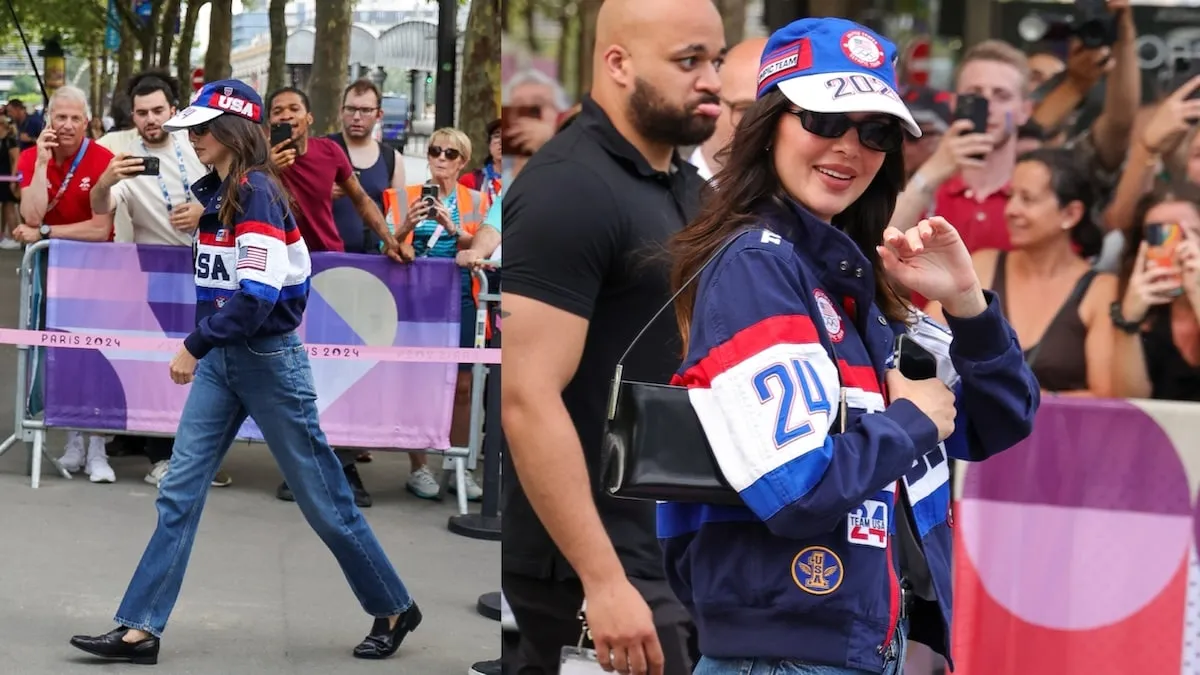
(252, 258)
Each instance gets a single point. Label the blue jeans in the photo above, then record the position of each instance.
(709, 666)
(270, 380)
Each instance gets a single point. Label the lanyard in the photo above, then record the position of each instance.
(162, 183)
(70, 174)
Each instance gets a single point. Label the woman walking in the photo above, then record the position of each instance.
(244, 359)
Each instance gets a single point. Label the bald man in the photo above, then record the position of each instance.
(739, 79)
(586, 222)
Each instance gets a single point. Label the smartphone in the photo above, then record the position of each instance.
(914, 361)
(1185, 69)
(972, 107)
(429, 194)
(280, 132)
(149, 166)
(1162, 240)
(509, 114)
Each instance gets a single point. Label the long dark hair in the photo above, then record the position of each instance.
(248, 143)
(747, 184)
(1070, 182)
(1183, 192)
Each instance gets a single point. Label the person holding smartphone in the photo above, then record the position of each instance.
(438, 219)
(1159, 305)
(311, 168)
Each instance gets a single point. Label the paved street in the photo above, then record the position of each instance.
(263, 596)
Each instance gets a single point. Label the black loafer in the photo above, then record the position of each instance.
(384, 641)
(110, 646)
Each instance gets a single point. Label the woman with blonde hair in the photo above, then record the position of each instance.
(440, 228)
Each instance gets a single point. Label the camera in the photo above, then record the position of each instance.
(1091, 22)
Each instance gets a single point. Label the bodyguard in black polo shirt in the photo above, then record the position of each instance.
(586, 224)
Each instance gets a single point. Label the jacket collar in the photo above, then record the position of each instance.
(839, 264)
(595, 121)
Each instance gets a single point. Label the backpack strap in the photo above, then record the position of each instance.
(389, 160)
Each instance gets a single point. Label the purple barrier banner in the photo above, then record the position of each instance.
(1076, 550)
(147, 291)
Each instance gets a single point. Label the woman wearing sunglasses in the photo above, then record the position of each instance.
(245, 360)
(439, 228)
(840, 548)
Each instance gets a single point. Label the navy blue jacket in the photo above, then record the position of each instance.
(807, 569)
(251, 278)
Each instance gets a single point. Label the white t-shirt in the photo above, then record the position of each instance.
(142, 198)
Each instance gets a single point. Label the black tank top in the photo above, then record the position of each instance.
(1059, 360)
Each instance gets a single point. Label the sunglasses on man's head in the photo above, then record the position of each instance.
(436, 151)
(882, 135)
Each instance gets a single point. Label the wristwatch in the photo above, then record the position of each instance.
(45, 231)
(1122, 324)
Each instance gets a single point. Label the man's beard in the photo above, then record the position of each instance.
(154, 136)
(658, 120)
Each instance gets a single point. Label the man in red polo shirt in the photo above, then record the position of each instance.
(58, 174)
(971, 193)
(310, 168)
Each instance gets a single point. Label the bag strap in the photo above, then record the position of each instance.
(671, 301)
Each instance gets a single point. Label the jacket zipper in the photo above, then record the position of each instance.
(893, 589)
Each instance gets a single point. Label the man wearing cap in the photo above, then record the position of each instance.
(931, 108)
(377, 166)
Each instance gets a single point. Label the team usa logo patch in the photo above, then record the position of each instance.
(817, 570)
(867, 525)
(785, 60)
(862, 48)
(829, 314)
(222, 234)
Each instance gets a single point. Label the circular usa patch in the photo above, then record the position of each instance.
(862, 48)
(830, 316)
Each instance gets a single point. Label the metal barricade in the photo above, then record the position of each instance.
(462, 460)
(25, 429)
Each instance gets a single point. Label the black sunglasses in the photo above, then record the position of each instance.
(199, 129)
(875, 134)
(450, 153)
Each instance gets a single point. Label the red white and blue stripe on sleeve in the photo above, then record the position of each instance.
(767, 392)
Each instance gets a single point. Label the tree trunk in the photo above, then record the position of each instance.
(95, 81)
(480, 75)
(183, 55)
(148, 34)
(278, 66)
(167, 41)
(331, 63)
(565, 23)
(126, 54)
(220, 41)
(530, 28)
(588, 9)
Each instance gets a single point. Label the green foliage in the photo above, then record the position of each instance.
(24, 84)
(79, 22)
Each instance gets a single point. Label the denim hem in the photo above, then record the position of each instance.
(389, 615)
(144, 627)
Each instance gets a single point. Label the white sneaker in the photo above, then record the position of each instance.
(9, 244)
(156, 474)
(422, 483)
(97, 462)
(474, 492)
(74, 458)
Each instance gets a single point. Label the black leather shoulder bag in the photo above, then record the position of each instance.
(655, 448)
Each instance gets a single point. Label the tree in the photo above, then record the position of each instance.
(167, 41)
(278, 22)
(24, 84)
(220, 41)
(481, 74)
(187, 40)
(331, 63)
